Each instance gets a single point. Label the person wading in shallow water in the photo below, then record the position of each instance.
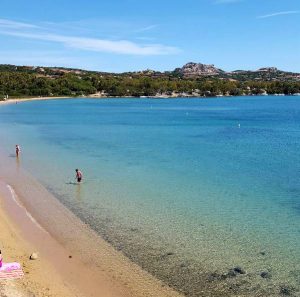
(1, 259)
(78, 175)
(17, 150)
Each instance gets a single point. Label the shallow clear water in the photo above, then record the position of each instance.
(208, 181)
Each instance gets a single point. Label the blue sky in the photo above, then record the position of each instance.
(127, 35)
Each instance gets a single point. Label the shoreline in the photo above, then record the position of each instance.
(17, 100)
(15, 248)
(80, 262)
(93, 96)
(177, 272)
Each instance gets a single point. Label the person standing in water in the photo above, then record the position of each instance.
(78, 175)
(17, 150)
(1, 259)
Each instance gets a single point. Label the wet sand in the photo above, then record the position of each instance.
(73, 259)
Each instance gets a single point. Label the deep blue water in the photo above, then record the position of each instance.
(191, 173)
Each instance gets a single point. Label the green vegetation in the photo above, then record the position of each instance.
(31, 81)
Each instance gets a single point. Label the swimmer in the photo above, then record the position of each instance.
(17, 150)
(78, 175)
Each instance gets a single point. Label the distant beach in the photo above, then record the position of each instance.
(17, 100)
(160, 96)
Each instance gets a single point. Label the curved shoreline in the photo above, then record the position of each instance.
(94, 265)
(178, 282)
(17, 100)
(93, 96)
(15, 247)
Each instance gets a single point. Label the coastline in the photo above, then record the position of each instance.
(79, 262)
(36, 279)
(97, 96)
(253, 266)
(17, 100)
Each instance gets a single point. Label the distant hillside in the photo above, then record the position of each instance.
(189, 70)
(194, 70)
(191, 80)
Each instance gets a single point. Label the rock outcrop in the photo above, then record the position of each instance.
(267, 69)
(197, 69)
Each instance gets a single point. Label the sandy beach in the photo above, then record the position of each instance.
(72, 259)
(17, 100)
(36, 281)
(20, 100)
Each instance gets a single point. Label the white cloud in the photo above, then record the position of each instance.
(33, 32)
(146, 28)
(278, 14)
(15, 25)
(145, 38)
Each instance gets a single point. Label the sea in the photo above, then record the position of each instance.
(203, 193)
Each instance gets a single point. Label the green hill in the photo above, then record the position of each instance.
(192, 80)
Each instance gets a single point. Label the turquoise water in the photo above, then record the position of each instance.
(180, 186)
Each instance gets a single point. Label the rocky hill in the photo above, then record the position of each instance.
(198, 69)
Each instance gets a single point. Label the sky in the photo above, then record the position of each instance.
(132, 35)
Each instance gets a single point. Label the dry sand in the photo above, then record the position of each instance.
(36, 281)
(17, 100)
